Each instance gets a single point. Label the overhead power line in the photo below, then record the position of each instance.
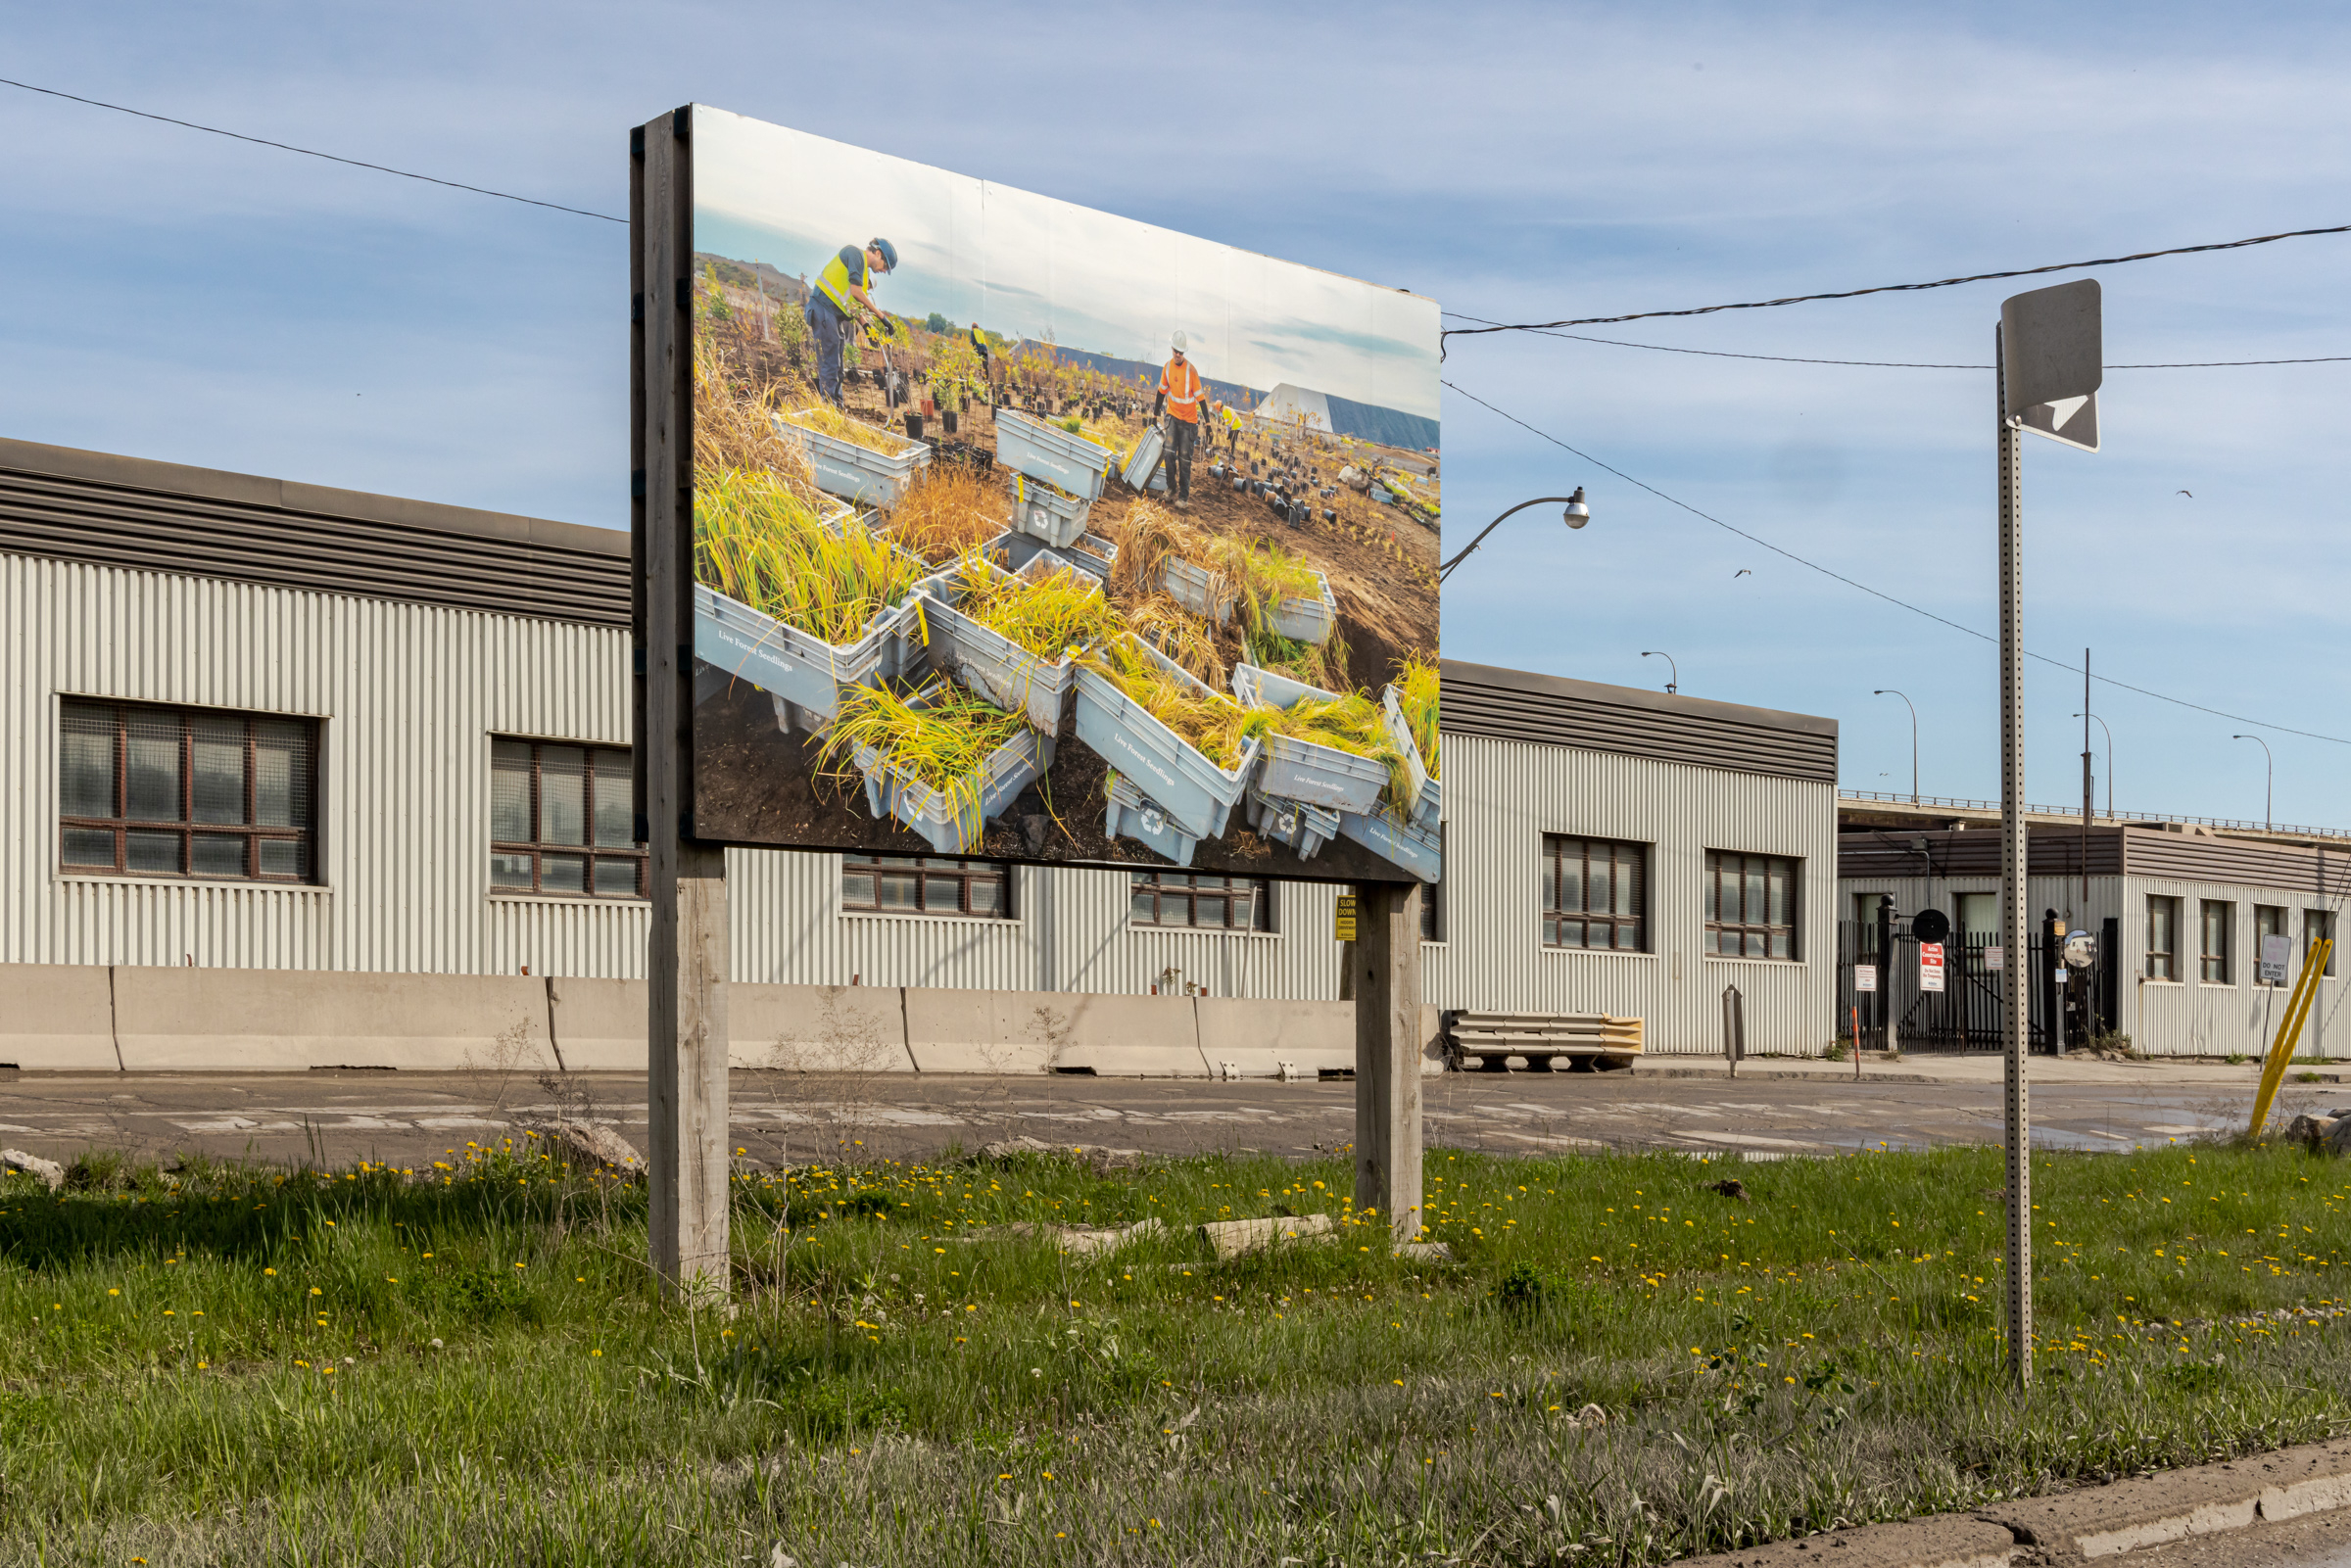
(1896, 288)
(311, 152)
(1894, 364)
(1880, 593)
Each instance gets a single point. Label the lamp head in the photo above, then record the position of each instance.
(1577, 513)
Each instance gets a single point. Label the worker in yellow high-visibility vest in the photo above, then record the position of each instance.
(838, 299)
(1232, 428)
(1180, 395)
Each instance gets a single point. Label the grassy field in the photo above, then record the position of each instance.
(465, 1365)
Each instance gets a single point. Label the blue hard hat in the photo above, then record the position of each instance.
(889, 255)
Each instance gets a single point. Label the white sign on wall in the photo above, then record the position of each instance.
(2277, 952)
(1865, 977)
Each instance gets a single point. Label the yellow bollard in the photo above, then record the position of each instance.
(2289, 1030)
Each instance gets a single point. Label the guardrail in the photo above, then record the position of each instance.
(1895, 797)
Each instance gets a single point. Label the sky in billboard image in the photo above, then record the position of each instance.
(1045, 535)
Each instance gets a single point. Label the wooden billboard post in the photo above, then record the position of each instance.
(1384, 962)
(686, 961)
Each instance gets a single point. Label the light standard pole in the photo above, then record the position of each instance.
(1913, 707)
(1576, 515)
(2269, 788)
(1673, 675)
(2109, 734)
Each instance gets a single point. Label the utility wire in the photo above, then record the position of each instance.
(310, 152)
(1890, 364)
(1915, 609)
(1896, 288)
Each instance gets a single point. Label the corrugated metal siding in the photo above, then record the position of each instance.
(406, 696)
(106, 510)
(2050, 851)
(1502, 795)
(2239, 862)
(1552, 710)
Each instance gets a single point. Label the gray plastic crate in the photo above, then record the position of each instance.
(1134, 815)
(1307, 620)
(1304, 828)
(1197, 589)
(990, 664)
(1013, 551)
(1027, 444)
(1042, 511)
(1194, 792)
(947, 827)
(1303, 770)
(1429, 795)
(1142, 468)
(1418, 850)
(1092, 552)
(844, 468)
(793, 665)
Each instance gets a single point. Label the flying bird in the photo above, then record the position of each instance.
(2190, 493)
(1742, 572)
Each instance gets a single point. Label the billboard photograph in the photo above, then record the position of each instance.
(1026, 532)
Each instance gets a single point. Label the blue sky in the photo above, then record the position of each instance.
(177, 296)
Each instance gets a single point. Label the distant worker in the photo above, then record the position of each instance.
(840, 299)
(1232, 430)
(1181, 392)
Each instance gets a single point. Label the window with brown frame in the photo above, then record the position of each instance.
(1751, 905)
(560, 821)
(196, 792)
(908, 885)
(2317, 925)
(2163, 937)
(1200, 901)
(1595, 893)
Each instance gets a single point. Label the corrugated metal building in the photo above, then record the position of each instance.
(343, 701)
(2180, 913)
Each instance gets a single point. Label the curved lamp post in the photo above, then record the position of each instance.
(1673, 671)
(2269, 788)
(1576, 515)
(1889, 691)
(2109, 734)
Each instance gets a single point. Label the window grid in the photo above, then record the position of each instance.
(2163, 939)
(1751, 905)
(1594, 893)
(2213, 961)
(187, 792)
(912, 885)
(1200, 901)
(561, 821)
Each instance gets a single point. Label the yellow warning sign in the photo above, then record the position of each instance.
(1343, 926)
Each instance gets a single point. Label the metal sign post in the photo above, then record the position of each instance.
(2049, 354)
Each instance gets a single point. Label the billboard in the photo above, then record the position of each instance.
(1025, 532)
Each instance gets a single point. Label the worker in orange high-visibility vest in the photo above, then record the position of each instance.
(1180, 395)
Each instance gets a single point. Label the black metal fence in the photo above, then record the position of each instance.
(1965, 1015)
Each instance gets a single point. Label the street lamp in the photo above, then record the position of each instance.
(2269, 788)
(1576, 515)
(1673, 679)
(2101, 723)
(1913, 707)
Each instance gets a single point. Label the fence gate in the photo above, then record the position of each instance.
(1965, 1015)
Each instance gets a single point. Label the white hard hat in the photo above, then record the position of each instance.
(1176, 343)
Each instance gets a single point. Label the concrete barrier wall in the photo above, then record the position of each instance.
(90, 1018)
(58, 1017)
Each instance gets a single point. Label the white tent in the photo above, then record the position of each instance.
(1285, 402)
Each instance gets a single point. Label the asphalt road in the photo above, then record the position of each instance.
(336, 1118)
(2315, 1541)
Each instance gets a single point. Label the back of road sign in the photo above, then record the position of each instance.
(2052, 353)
